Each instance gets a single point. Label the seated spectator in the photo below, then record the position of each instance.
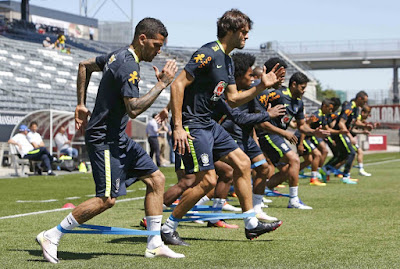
(34, 137)
(64, 144)
(47, 43)
(60, 43)
(27, 151)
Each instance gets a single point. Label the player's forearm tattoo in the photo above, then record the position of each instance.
(138, 105)
(84, 73)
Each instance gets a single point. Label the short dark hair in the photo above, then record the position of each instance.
(326, 102)
(232, 20)
(336, 101)
(299, 78)
(154, 115)
(32, 123)
(361, 94)
(242, 61)
(271, 62)
(150, 27)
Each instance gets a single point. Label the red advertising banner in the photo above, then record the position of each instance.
(387, 115)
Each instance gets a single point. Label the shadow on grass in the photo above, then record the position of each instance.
(66, 255)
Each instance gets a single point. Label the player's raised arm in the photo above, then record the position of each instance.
(235, 99)
(136, 106)
(183, 80)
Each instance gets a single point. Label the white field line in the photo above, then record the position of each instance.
(389, 161)
(37, 201)
(61, 209)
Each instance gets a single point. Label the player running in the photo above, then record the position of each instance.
(347, 119)
(117, 161)
(199, 139)
(271, 135)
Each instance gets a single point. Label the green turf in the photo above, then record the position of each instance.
(351, 226)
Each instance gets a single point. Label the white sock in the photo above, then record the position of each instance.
(361, 165)
(250, 222)
(218, 203)
(314, 174)
(55, 234)
(170, 225)
(203, 200)
(293, 193)
(154, 224)
(257, 202)
(49, 171)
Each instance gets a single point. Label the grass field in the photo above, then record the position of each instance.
(351, 226)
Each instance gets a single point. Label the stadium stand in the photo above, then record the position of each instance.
(32, 77)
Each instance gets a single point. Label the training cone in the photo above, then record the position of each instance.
(82, 167)
(68, 205)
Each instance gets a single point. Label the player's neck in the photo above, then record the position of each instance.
(223, 42)
(136, 51)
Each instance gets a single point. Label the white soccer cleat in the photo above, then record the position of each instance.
(49, 248)
(364, 173)
(264, 205)
(228, 207)
(162, 251)
(297, 203)
(263, 216)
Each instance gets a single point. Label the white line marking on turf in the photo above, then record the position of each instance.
(389, 161)
(33, 213)
(37, 201)
(72, 198)
(61, 209)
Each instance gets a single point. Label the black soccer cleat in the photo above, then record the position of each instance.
(173, 239)
(262, 228)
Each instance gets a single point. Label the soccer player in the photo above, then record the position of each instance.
(365, 111)
(239, 123)
(271, 135)
(117, 161)
(347, 119)
(200, 139)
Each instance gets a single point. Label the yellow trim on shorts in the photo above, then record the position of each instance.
(192, 152)
(344, 143)
(108, 172)
(274, 146)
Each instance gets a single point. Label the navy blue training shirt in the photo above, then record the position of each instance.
(120, 79)
(213, 71)
(283, 96)
(350, 113)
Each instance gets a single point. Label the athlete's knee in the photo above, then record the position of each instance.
(210, 180)
(108, 202)
(155, 181)
(317, 154)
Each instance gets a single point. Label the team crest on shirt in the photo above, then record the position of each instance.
(133, 77)
(205, 159)
(215, 48)
(286, 119)
(219, 90)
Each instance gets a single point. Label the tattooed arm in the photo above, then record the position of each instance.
(85, 70)
(135, 106)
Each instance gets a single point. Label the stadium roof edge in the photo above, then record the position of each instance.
(51, 13)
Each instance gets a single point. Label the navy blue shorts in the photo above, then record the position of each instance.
(210, 145)
(309, 146)
(250, 148)
(178, 162)
(116, 168)
(274, 146)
